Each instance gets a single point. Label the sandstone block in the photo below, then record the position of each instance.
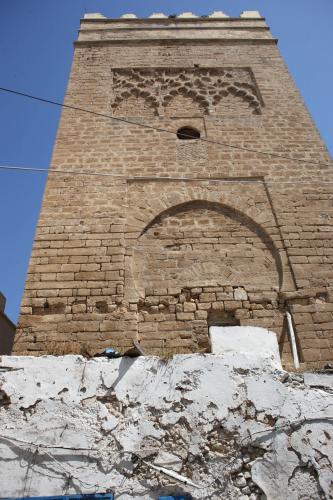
(189, 306)
(201, 314)
(79, 308)
(184, 316)
(231, 305)
(207, 297)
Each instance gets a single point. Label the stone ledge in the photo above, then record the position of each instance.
(303, 293)
(174, 41)
(169, 28)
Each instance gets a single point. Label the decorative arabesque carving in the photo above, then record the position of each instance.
(206, 86)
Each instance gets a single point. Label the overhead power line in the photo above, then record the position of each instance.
(158, 129)
(158, 177)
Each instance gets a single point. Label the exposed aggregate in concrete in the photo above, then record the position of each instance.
(233, 425)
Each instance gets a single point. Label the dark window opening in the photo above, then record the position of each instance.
(222, 318)
(186, 133)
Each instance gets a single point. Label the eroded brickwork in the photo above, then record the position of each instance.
(184, 234)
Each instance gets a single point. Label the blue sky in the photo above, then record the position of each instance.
(36, 47)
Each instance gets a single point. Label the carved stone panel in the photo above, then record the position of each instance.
(183, 91)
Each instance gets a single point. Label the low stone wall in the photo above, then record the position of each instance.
(230, 426)
(176, 320)
(180, 317)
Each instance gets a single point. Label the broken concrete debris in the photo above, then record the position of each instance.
(213, 426)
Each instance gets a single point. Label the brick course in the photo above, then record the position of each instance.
(187, 233)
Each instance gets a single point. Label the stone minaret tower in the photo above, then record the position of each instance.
(174, 217)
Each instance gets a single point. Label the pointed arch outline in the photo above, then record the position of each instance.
(230, 212)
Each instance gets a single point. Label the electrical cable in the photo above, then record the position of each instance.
(287, 425)
(55, 170)
(276, 428)
(30, 467)
(158, 129)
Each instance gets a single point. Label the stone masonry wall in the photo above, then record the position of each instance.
(226, 218)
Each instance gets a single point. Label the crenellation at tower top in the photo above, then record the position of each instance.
(213, 207)
(186, 26)
(249, 14)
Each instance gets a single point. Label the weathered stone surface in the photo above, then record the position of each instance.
(236, 427)
(241, 234)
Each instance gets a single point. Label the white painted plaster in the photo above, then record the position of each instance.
(319, 379)
(128, 16)
(240, 294)
(218, 13)
(234, 425)
(94, 15)
(249, 340)
(158, 15)
(250, 14)
(187, 14)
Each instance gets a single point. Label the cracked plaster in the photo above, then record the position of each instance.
(236, 427)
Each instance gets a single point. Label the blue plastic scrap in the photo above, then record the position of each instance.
(176, 497)
(111, 353)
(88, 496)
(95, 496)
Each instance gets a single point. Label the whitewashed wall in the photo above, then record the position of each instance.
(235, 426)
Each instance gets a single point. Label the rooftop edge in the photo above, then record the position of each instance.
(247, 14)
